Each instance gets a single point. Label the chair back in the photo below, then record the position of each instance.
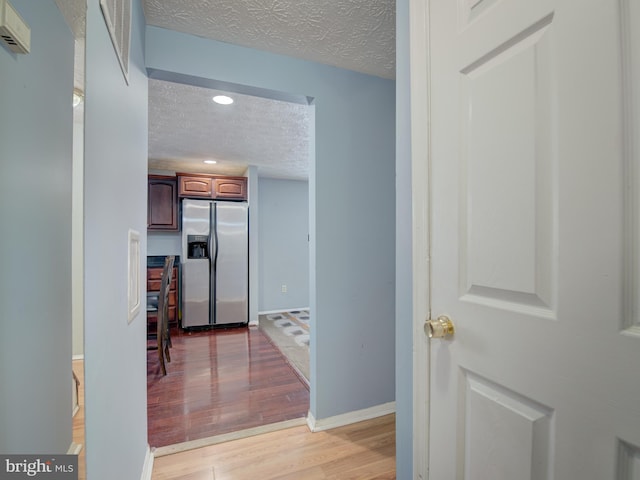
(165, 286)
(163, 311)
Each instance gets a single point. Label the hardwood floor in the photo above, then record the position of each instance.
(220, 381)
(78, 419)
(364, 450)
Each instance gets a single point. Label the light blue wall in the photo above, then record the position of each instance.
(115, 201)
(404, 260)
(164, 243)
(283, 243)
(254, 255)
(352, 217)
(36, 127)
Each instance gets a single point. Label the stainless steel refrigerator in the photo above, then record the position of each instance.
(215, 263)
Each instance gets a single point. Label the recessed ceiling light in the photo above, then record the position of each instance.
(223, 100)
(210, 162)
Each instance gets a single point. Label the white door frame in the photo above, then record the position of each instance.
(419, 54)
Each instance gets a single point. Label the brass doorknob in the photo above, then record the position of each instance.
(439, 328)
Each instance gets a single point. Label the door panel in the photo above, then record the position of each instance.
(506, 419)
(506, 153)
(196, 272)
(535, 238)
(232, 263)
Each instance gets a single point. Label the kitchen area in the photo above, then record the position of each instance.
(201, 219)
(223, 376)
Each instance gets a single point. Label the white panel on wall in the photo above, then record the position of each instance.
(133, 269)
(506, 436)
(507, 151)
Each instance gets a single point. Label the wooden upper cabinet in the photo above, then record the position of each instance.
(194, 186)
(162, 203)
(216, 187)
(230, 188)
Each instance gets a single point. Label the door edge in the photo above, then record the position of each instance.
(419, 54)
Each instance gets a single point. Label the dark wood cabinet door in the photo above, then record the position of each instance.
(230, 188)
(194, 186)
(162, 203)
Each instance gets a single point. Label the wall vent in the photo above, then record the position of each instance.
(117, 16)
(14, 31)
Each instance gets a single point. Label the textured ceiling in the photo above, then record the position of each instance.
(74, 12)
(353, 34)
(186, 127)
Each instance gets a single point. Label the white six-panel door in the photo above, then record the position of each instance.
(534, 203)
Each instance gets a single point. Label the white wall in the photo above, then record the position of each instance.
(115, 201)
(36, 127)
(284, 244)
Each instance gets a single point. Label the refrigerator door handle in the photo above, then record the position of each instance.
(213, 258)
(214, 234)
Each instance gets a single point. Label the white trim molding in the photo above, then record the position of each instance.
(420, 52)
(147, 468)
(74, 449)
(226, 437)
(268, 312)
(350, 417)
(134, 276)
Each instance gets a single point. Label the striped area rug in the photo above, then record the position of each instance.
(289, 332)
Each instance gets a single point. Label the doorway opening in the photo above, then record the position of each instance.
(216, 377)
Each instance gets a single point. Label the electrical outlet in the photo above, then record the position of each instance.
(284, 288)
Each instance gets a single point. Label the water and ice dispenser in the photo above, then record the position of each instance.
(197, 246)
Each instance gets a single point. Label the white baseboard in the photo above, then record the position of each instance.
(268, 312)
(79, 356)
(349, 418)
(147, 468)
(74, 448)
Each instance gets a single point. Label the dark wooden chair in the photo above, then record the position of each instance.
(161, 334)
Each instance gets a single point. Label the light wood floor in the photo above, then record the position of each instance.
(78, 419)
(364, 450)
